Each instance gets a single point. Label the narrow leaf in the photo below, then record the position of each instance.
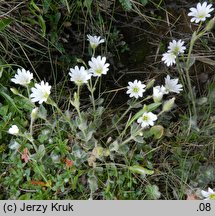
(4, 23)
(140, 170)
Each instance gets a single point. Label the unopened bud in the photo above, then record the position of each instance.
(167, 106)
(210, 24)
(34, 113)
(15, 91)
(75, 102)
(150, 84)
(158, 92)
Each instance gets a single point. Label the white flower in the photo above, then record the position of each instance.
(98, 66)
(158, 92)
(147, 119)
(40, 92)
(136, 89)
(201, 12)
(169, 58)
(176, 47)
(94, 40)
(209, 195)
(172, 85)
(14, 130)
(79, 75)
(22, 77)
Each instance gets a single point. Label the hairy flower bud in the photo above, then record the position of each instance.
(167, 106)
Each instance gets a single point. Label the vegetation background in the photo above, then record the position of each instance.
(48, 37)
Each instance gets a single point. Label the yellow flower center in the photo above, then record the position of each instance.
(46, 94)
(99, 71)
(145, 118)
(79, 82)
(135, 89)
(212, 196)
(176, 50)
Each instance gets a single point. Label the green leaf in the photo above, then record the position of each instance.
(139, 139)
(93, 183)
(126, 4)
(157, 131)
(9, 100)
(152, 107)
(140, 170)
(114, 146)
(4, 110)
(35, 6)
(87, 4)
(42, 25)
(4, 23)
(152, 192)
(41, 152)
(42, 112)
(144, 2)
(46, 5)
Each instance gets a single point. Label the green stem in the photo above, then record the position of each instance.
(28, 90)
(78, 107)
(192, 97)
(78, 110)
(31, 127)
(52, 103)
(94, 50)
(135, 102)
(30, 139)
(38, 169)
(91, 88)
(131, 137)
(191, 92)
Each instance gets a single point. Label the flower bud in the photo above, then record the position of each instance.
(210, 25)
(34, 113)
(75, 102)
(150, 84)
(15, 91)
(167, 106)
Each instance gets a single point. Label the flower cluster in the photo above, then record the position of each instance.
(97, 65)
(201, 12)
(174, 49)
(198, 14)
(137, 88)
(40, 92)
